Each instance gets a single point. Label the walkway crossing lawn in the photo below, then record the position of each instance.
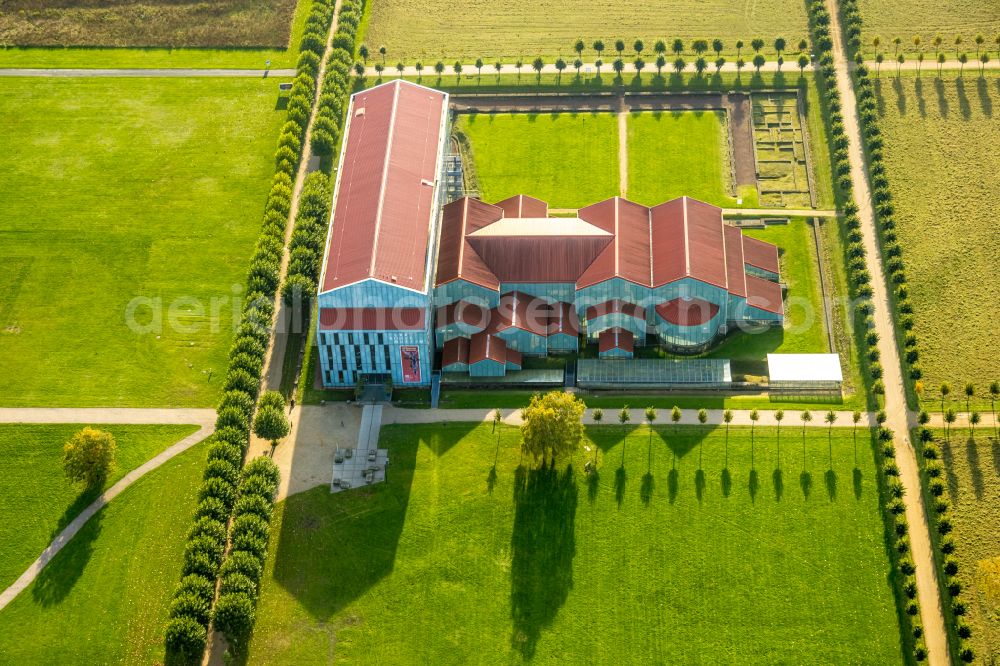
(122, 188)
(455, 558)
(678, 153)
(429, 30)
(42, 501)
(942, 155)
(972, 485)
(104, 598)
(569, 160)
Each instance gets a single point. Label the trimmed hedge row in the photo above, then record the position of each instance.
(243, 567)
(895, 267)
(933, 473)
(859, 278)
(900, 529)
(187, 629)
(337, 80)
(308, 240)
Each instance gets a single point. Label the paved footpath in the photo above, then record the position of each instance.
(156, 73)
(201, 417)
(900, 418)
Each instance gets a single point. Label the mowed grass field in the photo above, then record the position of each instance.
(569, 160)
(943, 163)
(170, 23)
(972, 482)
(678, 153)
(672, 559)
(927, 18)
(413, 30)
(104, 598)
(44, 501)
(117, 189)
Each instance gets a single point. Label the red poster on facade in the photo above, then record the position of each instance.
(410, 356)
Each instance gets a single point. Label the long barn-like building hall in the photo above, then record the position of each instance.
(407, 275)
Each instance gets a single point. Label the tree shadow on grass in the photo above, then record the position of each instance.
(857, 483)
(726, 481)
(593, 484)
(948, 458)
(779, 484)
(753, 485)
(830, 477)
(647, 487)
(918, 89)
(543, 545)
(491, 479)
(699, 484)
(56, 580)
(672, 483)
(805, 482)
(985, 101)
(941, 97)
(975, 471)
(963, 100)
(620, 478)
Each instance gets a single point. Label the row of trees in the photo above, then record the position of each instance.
(937, 42)
(306, 246)
(950, 415)
(192, 608)
(860, 285)
(963, 59)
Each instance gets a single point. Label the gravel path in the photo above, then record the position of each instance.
(900, 419)
(203, 417)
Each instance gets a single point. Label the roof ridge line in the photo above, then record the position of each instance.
(385, 176)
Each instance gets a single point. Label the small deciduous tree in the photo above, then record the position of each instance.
(270, 422)
(89, 456)
(727, 418)
(552, 425)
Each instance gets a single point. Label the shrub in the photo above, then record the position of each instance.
(264, 467)
(242, 562)
(941, 505)
(947, 545)
(185, 639)
(950, 566)
(251, 543)
(958, 608)
(912, 608)
(903, 545)
(209, 527)
(222, 469)
(910, 589)
(896, 506)
(200, 564)
(308, 62)
(241, 380)
(231, 418)
(250, 524)
(239, 400)
(901, 527)
(920, 652)
(890, 468)
(298, 287)
(257, 485)
(233, 437)
(896, 488)
(944, 525)
(234, 616)
(936, 487)
(239, 584)
(934, 469)
(256, 505)
(963, 629)
(906, 566)
(206, 545)
(954, 587)
(931, 451)
(323, 142)
(220, 490)
(213, 508)
(191, 605)
(196, 585)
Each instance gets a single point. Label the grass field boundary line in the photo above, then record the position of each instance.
(144, 73)
(824, 291)
(66, 534)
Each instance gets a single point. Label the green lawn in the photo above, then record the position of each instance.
(45, 501)
(450, 561)
(568, 160)
(972, 480)
(927, 18)
(678, 153)
(104, 598)
(117, 189)
(942, 159)
(152, 57)
(467, 29)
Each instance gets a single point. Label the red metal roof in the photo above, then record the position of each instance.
(680, 312)
(465, 312)
(735, 270)
(615, 338)
(688, 241)
(764, 295)
(521, 205)
(563, 319)
(520, 310)
(483, 346)
(514, 358)
(760, 254)
(456, 259)
(538, 258)
(615, 306)
(386, 187)
(454, 351)
(628, 256)
(372, 319)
